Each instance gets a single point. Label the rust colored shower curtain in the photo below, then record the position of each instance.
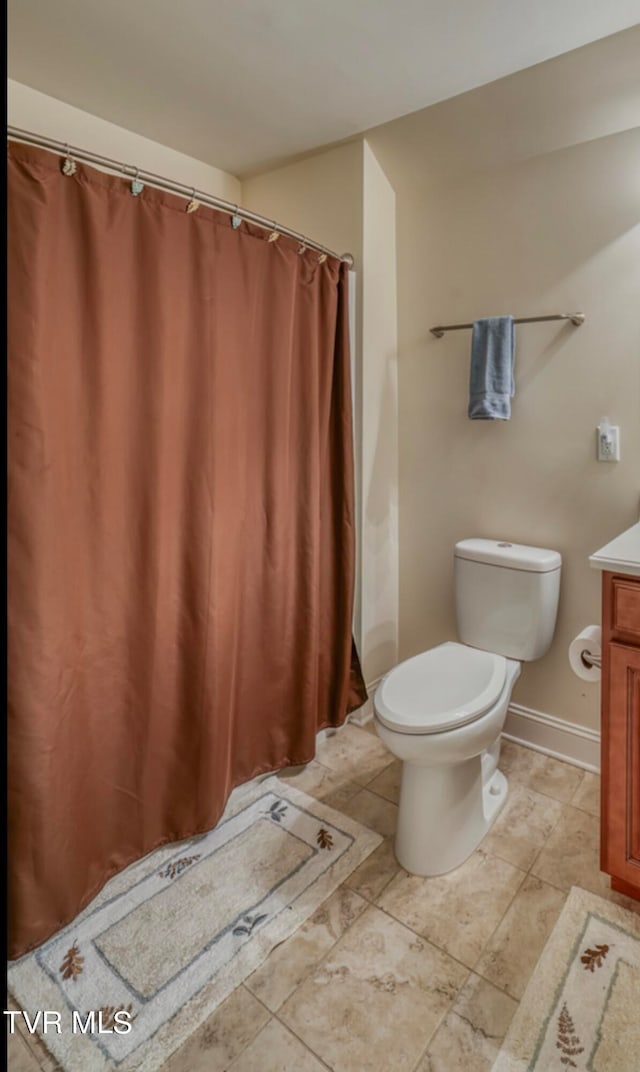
(181, 530)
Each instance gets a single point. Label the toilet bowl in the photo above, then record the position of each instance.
(445, 812)
(442, 712)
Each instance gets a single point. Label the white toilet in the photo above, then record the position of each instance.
(442, 712)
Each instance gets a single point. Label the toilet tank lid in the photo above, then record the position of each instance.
(515, 556)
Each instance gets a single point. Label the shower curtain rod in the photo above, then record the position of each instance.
(148, 177)
(575, 318)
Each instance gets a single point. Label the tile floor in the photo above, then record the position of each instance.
(395, 973)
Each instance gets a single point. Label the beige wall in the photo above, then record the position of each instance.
(520, 197)
(327, 198)
(544, 220)
(581, 95)
(320, 196)
(31, 110)
(379, 408)
(553, 233)
(342, 198)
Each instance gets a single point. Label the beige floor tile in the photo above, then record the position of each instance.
(19, 1056)
(376, 999)
(22, 1040)
(537, 771)
(373, 811)
(222, 1037)
(632, 904)
(387, 784)
(471, 1034)
(45, 1061)
(354, 753)
(457, 912)
(523, 826)
(275, 1049)
(291, 962)
(572, 853)
(571, 857)
(515, 946)
(587, 795)
(374, 873)
(321, 783)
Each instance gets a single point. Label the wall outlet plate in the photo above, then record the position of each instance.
(608, 443)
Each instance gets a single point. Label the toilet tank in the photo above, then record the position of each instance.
(506, 597)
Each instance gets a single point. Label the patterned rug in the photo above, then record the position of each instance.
(581, 1009)
(169, 938)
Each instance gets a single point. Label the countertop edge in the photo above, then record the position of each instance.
(614, 565)
(620, 555)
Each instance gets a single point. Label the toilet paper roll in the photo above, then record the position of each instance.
(588, 641)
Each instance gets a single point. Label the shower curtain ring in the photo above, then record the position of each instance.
(302, 247)
(136, 186)
(69, 166)
(275, 234)
(322, 258)
(193, 205)
(236, 220)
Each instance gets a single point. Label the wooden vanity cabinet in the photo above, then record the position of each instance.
(620, 829)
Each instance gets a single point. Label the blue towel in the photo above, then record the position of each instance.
(491, 386)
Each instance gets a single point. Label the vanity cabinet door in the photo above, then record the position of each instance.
(621, 767)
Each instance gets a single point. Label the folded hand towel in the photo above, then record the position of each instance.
(491, 386)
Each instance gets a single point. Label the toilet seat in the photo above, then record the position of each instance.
(440, 689)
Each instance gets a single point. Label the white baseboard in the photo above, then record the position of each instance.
(553, 736)
(543, 733)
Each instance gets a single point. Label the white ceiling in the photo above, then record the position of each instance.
(242, 83)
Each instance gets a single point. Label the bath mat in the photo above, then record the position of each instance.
(167, 940)
(581, 1009)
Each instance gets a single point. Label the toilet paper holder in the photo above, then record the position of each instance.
(590, 660)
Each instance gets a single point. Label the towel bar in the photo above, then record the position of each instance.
(575, 318)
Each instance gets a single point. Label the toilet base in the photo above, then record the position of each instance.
(456, 805)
